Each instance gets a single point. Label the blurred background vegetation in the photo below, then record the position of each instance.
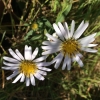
(25, 22)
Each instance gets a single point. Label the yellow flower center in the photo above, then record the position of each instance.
(28, 67)
(34, 26)
(70, 47)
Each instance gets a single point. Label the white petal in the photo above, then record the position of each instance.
(72, 28)
(52, 38)
(92, 45)
(17, 78)
(88, 45)
(54, 35)
(10, 64)
(22, 78)
(48, 43)
(10, 68)
(87, 40)
(58, 32)
(63, 31)
(27, 81)
(80, 32)
(10, 59)
(51, 43)
(56, 46)
(67, 61)
(19, 54)
(13, 75)
(80, 55)
(58, 60)
(89, 50)
(28, 53)
(32, 79)
(50, 51)
(67, 30)
(13, 54)
(76, 58)
(42, 72)
(35, 53)
(44, 68)
(44, 63)
(80, 26)
(40, 59)
(39, 76)
(47, 47)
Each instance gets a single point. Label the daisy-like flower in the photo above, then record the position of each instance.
(68, 45)
(26, 68)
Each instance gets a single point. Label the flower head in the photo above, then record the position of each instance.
(34, 26)
(27, 68)
(68, 45)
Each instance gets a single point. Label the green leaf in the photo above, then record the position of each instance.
(3, 37)
(60, 18)
(67, 10)
(48, 24)
(36, 37)
(66, 7)
(98, 34)
(28, 34)
(26, 24)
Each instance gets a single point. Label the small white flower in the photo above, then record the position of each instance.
(27, 68)
(68, 45)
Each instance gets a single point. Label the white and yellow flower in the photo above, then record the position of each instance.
(27, 68)
(68, 45)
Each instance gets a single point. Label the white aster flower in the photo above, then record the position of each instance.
(27, 68)
(68, 45)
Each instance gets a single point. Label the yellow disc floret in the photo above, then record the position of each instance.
(34, 26)
(28, 67)
(70, 47)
